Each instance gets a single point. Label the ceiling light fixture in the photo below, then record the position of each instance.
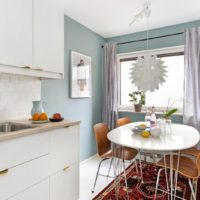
(148, 72)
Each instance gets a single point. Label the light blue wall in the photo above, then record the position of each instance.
(56, 93)
(83, 40)
(155, 43)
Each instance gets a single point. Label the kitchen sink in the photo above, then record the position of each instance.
(13, 126)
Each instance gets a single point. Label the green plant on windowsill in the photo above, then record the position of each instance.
(138, 99)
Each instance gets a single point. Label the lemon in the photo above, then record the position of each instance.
(145, 134)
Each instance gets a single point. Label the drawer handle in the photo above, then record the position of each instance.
(66, 168)
(26, 67)
(3, 172)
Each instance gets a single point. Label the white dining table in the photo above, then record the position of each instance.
(180, 137)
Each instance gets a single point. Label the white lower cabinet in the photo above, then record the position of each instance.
(64, 147)
(64, 185)
(51, 156)
(23, 176)
(39, 191)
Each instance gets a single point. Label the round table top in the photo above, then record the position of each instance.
(181, 137)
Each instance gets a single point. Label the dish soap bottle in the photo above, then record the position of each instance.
(153, 120)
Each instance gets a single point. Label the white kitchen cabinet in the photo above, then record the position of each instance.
(39, 191)
(64, 185)
(32, 35)
(16, 32)
(21, 150)
(52, 155)
(21, 177)
(64, 147)
(48, 36)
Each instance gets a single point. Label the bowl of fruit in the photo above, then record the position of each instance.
(39, 118)
(56, 117)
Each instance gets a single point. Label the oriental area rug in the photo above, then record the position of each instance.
(146, 190)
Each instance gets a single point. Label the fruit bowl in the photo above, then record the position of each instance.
(39, 121)
(56, 120)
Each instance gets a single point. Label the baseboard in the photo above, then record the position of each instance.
(90, 158)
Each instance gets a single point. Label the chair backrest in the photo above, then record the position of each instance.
(123, 121)
(198, 163)
(103, 144)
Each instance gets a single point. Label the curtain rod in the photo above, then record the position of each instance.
(151, 38)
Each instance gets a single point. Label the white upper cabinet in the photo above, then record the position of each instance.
(48, 35)
(16, 32)
(32, 34)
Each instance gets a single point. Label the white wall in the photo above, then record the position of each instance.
(16, 96)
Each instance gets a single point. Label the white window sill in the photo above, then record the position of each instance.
(131, 110)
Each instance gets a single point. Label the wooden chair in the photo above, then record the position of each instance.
(122, 121)
(104, 149)
(187, 167)
(191, 152)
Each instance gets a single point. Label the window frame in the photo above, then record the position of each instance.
(125, 56)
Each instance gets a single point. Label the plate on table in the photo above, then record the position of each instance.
(139, 128)
(56, 120)
(39, 121)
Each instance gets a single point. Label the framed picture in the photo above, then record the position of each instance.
(80, 75)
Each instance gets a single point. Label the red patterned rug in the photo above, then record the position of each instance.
(146, 190)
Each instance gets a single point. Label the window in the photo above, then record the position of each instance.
(172, 88)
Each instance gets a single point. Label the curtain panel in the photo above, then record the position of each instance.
(191, 107)
(110, 90)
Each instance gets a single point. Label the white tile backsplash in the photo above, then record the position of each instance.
(16, 96)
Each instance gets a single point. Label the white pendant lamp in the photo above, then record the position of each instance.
(148, 72)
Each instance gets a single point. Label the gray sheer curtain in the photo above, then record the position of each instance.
(110, 95)
(191, 111)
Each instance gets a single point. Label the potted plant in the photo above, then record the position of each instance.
(169, 110)
(168, 113)
(138, 98)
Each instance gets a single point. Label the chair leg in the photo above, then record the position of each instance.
(157, 183)
(141, 172)
(166, 176)
(192, 189)
(195, 183)
(136, 167)
(110, 167)
(125, 179)
(97, 174)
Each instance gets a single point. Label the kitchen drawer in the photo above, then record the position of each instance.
(64, 147)
(40, 191)
(23, 149)
(23, 176)
(64, 185)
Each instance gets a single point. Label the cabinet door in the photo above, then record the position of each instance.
(65, 184)
(39, 191)
(64, 147)
(16, 32)
(48, 36)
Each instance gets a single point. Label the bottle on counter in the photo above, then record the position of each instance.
(147, 117)
(153, 120)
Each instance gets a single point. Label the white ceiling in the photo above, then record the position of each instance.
(111, 17)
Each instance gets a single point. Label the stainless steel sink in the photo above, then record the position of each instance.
(12, 126)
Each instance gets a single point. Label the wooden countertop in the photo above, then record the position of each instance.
(36, 128)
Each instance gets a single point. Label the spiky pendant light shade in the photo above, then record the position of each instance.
(148, 73)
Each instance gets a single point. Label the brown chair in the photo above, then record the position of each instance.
(191, 152)
(122, 121)
(187, 167)
(104, 148)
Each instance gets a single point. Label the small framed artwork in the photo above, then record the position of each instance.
(80, 75)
